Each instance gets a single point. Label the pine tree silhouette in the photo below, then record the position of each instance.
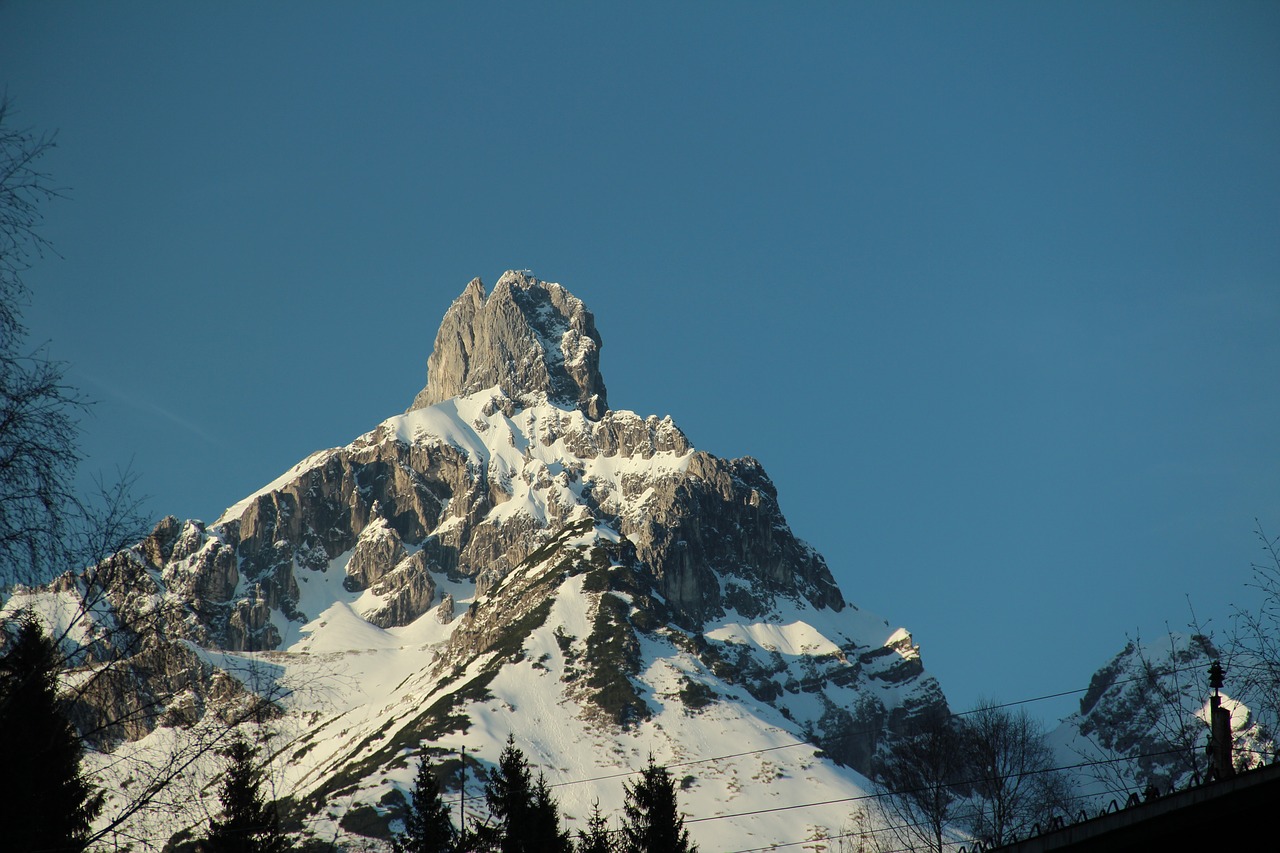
(249, 823)
(45, 803)
(595, 838)
(427, 828)
(544, 822)
(526, 817)
(652, 822)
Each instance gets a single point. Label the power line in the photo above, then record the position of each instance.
(851, 834)
(861, 732)
(690, 762)
(881, 794)
(901, 826)
(897, 827)
(956, 784)
(818, 679)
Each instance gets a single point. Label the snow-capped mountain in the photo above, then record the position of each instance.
(1144, 721)
(510, 555)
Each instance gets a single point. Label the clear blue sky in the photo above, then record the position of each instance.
(992, 290)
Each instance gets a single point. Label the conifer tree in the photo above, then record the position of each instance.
(595, 838)
(652, 822)
(249, 823)
(427, 828)
(526, 817)
(544, 822)
(45, 802)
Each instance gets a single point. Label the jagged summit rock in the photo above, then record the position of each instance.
(526, 337)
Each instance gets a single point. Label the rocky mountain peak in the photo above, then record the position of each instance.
(509, 555)
(529, 337)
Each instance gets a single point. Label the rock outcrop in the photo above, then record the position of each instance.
(527, 336)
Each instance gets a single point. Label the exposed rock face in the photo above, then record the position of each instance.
(377, 552)
(408, 591)
(249, 625)
(527, 336)
(722, 519)
(444, 613)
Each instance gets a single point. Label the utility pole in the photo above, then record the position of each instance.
(462, 801)
(1220, 764)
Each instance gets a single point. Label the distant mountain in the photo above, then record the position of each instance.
(1143, 721)
(510, 555)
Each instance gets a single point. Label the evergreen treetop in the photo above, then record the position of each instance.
(652, 822)
(427, 828)
(249, 823)
(45, 802)
(596, 837)
(526, 817)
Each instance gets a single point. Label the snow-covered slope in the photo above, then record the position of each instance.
(416, 688)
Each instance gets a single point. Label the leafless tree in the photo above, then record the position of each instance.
(1010, 767)
(38, 430)
(125, 670)
(864, 831)
(1254, 642)
(47, 526)
(919, 779)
